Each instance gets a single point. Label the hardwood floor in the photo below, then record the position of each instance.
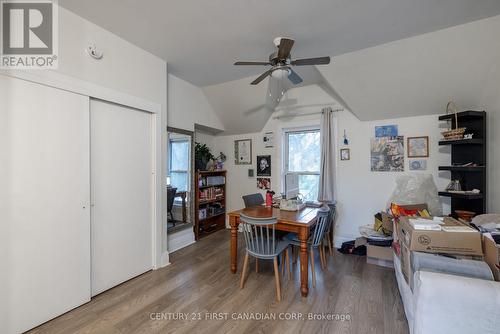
(199, 285)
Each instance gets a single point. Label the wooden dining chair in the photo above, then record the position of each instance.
(315, 240)
(328, 240)
(261, 243)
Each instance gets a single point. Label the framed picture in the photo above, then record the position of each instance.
(250, 173)
(264, 183)
(387, 154)
(345, 154)
(418, 164)
(243, 152)
(386, 131)
(269, 139)
(418, 147)
(263, 165)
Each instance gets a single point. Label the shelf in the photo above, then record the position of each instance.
(208, 172)
(463, 115)
(459, 195)
(213, 216)
(215, 185)
(462, 142)
(463, 169)
(211, 201)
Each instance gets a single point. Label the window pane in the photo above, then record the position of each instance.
(179, 155)
(304, 151)
(308, 187)
(179, 180)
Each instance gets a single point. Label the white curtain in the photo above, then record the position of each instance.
(326, 191)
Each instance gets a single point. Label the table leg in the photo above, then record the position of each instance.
(184, 213)
(233, 221)
(304, 270)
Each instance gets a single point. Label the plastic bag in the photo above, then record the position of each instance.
(417, 189)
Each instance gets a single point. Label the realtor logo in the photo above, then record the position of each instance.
(28, 34)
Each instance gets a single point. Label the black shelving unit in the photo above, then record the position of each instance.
(465, 151)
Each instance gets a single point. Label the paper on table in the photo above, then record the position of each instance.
(458, 229)
(425, 224)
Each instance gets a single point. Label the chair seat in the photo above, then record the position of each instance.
(293, 239)
(281, 245)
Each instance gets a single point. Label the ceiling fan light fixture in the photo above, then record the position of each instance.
(281, 73)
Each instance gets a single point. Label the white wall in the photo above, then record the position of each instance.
(360, 192)
(188, 105)
(125, 68)
(187, 108)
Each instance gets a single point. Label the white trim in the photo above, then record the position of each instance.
(284, 152)
(85, 88)
(164, 260)
(74, 85)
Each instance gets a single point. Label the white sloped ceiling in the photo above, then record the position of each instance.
(418, 75)
(410, 77)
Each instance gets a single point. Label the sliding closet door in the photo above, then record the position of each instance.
(44, 199)
(121, 194)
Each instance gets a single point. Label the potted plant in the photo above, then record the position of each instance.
(202, 156)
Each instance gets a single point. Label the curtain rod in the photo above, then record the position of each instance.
(308, 114)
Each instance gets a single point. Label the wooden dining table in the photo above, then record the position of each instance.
(299, 222)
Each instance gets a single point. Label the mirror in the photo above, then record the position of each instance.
(180, 179)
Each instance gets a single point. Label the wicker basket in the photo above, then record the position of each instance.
(457, 133)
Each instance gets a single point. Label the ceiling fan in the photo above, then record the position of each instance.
(282, 63)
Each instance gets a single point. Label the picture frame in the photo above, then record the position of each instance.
(345, 154)
(418, 164)
(269, 139)
(263, 165)
(243, 152)
(386, 131)
(418, 147)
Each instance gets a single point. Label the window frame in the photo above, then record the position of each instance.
(179, 171)
(285, 153)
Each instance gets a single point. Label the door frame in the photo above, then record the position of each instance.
(159, 258)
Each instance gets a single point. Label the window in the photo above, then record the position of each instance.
(179, 164)
(302, 158)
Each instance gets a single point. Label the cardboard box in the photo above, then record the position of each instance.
(380, 256)
(405, 258)
(492, 255)
(466, 242)
(396, 230)
(377, 252)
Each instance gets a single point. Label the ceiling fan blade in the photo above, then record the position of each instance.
(262, 77)
(252, 63)
(285, 47)
(294, 77)
(311, 61)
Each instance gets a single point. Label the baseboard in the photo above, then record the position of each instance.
(165, 260)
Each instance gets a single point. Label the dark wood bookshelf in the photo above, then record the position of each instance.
(466, 151)
(461, 195)
(215, 221)
(462, 168)
(476, 141)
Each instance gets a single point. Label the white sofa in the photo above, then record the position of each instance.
(444, 303)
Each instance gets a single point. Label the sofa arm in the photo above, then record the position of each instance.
(455, 304)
